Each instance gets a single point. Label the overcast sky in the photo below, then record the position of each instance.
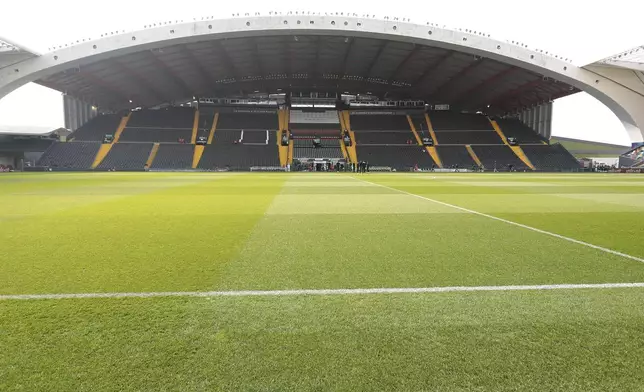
(582, 31)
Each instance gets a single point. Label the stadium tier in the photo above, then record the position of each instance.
(173, 157)
(126, 156)
(400, 158)
(455, 156)
(70, 156)
(241, 139)
(551, 157)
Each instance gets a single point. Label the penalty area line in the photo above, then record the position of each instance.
(509, 222)
(324, 292)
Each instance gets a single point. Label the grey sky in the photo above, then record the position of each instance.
(582, 31)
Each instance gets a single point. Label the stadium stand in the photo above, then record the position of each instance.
(127, 156)
(174, 118)
(516, 129)
(173, 157)
(255, 137)
(498, 157)
(308, 123)
(451, 121)
(225, 154)
(401, 158)
(385, 137)
(379, 122)
(552, 157)
(467, 137)
(453, 156)
(96, 128)
(70, 155)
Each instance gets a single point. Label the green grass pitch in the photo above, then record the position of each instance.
(74, 233)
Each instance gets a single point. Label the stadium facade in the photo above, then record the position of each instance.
(331, 57)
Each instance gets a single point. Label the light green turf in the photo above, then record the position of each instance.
(120, 232)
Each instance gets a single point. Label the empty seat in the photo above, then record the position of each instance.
(248, 121)
(402, 158)
(312, 152)
(451, 121)
(174, 156)
(155, 135)
(256, 137)
(96, 128)
(455, 156)
(385, 137)
(238, 157)
(551, 157)
(523, 133)
(468, 137)
(498, 157)
(127, 156)
(178, 118)
(70, 155)
(375, 122)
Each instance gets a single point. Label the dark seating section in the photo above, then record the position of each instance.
(174, 156)
(257, 137)
(238, 157)
(499, 157)
(551, 157)
(401, 158)
(155, 135)
(455, 155)
(451, 121)
(421, 125)
(248, 121)
(324, 142)
(127, 156)
(180, 118)
(70, 155)
(312, 152)
(385, 137)
(379, 122)
(523, 133)
(468, 137)
(96, 128)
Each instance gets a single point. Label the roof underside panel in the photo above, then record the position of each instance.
(235, 67)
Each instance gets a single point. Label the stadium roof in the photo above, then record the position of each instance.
(305, 62)
(174, 61)
(588, 149)
(632, 59)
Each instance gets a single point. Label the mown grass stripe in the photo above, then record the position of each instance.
(562, 237)
(279, 293)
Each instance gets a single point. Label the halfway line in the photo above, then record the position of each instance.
(305, 292)
(601, 248)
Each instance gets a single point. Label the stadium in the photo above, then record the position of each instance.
(318, 202)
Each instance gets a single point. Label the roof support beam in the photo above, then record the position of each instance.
(443, 87)
(430, 69)
(345, 58)
(513, 93)
(381, 49)
(180, 83)
(484, 84)
(258, 59)
(198, 66)
(143, 84)
(403, 63)
(222, 55)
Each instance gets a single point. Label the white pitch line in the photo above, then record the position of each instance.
(316, 292)
(562, 237)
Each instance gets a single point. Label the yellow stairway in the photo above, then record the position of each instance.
(152, 155)
(434, 154)
(211, 135)
(431, 129)
(101, 154)
(343, 148)
(413, 130)
(345, 122)
(121, 127)
(196, 157)
(518, 151)
(473, 155)
(195, 128)
(283, 116)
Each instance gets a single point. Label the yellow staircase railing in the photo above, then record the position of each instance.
(213, 128)
(413, 130)
(101, 154)
(153, 154)
(434, 154)
(195, 128)
(345, 122)
(122, 125)
(473, 155)
(343, 148)
(196, 157)
(518, 151)
(430, 128)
